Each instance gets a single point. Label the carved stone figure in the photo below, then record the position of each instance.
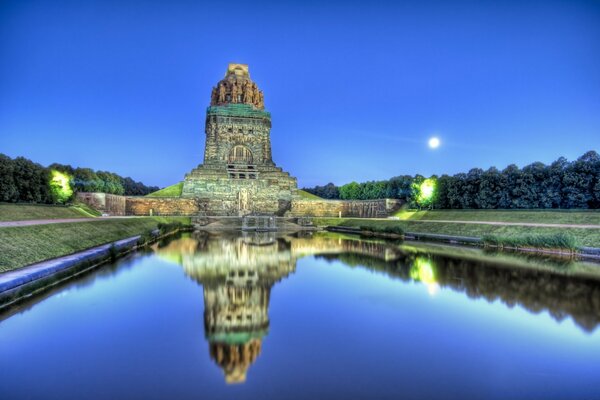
(222, 93)
(235, 92)
(254, 94)
(213, 96)
(243, 201)
(261, 100)
(248, 93)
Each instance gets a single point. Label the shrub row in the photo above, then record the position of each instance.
(150, 235)
(394, 229)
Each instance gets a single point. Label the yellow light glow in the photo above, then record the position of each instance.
(423, 271)
(60, 184)
(427, 188)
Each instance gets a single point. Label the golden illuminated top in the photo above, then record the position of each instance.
(237, 88)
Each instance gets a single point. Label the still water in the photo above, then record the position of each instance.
(325, 316)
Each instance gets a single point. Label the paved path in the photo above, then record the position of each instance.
(533, 224)
(7, 224)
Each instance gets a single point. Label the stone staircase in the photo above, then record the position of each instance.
(287, 224)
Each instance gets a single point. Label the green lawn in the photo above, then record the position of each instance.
(170, 191)
(583, 237)
(20, 246)
(308, 196)
(539, 216)
(18, 212)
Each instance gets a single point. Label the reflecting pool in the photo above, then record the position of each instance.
(224, 316)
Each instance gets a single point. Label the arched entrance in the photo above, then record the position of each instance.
(240, 155)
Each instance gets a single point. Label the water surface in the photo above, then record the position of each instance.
(329, 316)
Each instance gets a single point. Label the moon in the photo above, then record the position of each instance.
(434, 142)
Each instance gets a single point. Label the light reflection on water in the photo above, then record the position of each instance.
(353, 318)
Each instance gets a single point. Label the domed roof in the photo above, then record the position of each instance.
(237, 88)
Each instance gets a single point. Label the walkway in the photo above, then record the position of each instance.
(532, 224)
(8, 224)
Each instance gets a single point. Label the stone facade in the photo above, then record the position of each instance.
(161, 206)
(113, 204)
(379, 208)
(131, 205)
(106, 203)
(238, 176)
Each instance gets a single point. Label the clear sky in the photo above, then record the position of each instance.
(355, 88)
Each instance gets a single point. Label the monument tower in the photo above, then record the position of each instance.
(238, 176)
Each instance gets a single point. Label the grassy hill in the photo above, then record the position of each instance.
(21, 212)
(20, 246)
(308, 196)
(583, 237)
(169, 191)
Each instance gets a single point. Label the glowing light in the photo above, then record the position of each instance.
(423, 271)
(427, 189)
(424, 191)
(434, 142)
(60, 185)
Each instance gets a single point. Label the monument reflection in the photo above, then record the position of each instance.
(238, 271)
(237, 274)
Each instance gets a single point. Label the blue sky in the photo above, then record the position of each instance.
(355, 88)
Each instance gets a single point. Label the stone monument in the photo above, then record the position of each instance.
(238, 176)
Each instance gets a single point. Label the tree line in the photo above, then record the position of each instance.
(562, 184)
(22, 180)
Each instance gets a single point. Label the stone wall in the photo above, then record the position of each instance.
(111, 204)
(161, 206)
(127, 205)
(379, 208)
(270, 194)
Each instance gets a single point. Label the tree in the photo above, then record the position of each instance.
(424, 191)
(350, 191)
(551, 187)
(490, 189)
(60, 186)
(471, 188)
(578, 181)
(455, 190)
(440, 197)
(32, 181)
(86, 180)
(399, 187)
(112, 182)
(8, 188)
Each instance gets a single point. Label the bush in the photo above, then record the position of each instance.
(393, 229)
(147, 237)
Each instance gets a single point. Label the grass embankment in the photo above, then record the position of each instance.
(497, 233)
(21, 212)
(304, 195)
(20, 246)
(582, 217)
(560, 240)
(170, 191)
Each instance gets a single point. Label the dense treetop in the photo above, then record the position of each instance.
(22, 180)
(562, 184)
